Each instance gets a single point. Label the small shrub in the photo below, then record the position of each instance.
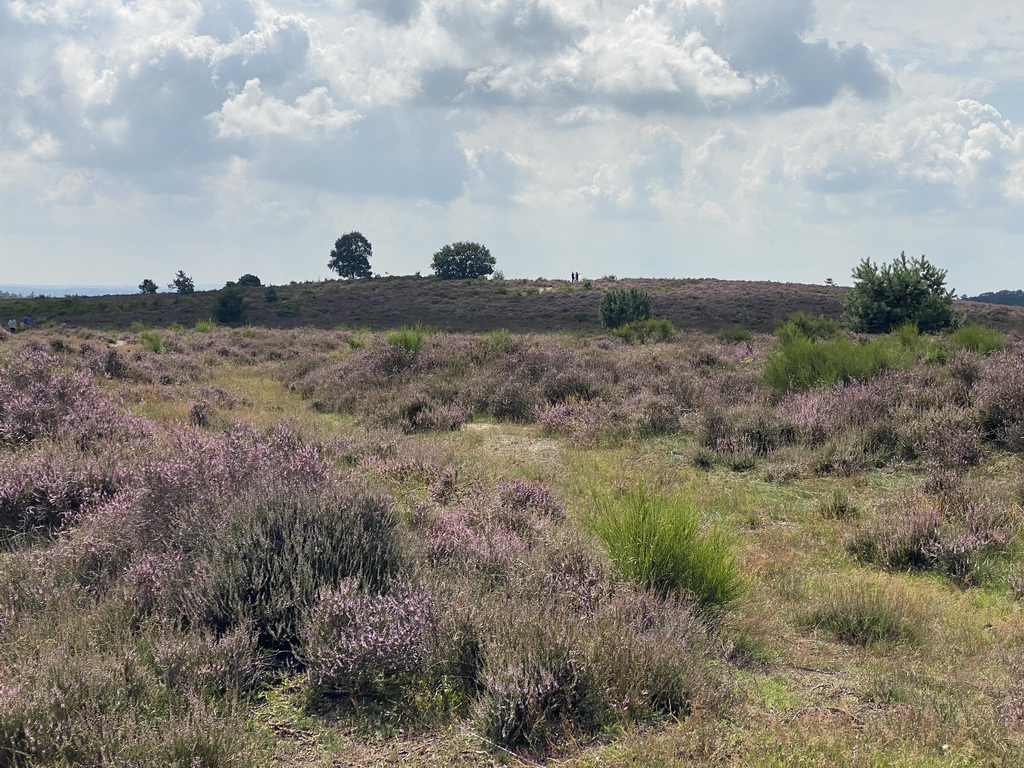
(642, 331)
(152, 341)
(868, 611)
(733, 334)
(408, 338)
(356, 642)
(658, 543)
(277, 552)
(906, 291)
(977, 339)
(137, 326)
(270, 295)
(230, 305)
(204, 326)
(620, 306)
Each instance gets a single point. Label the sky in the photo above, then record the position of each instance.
(781, 140)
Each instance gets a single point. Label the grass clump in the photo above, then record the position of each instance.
(409, 338)
(657, 542)
(869, 611)
(152, 341)
(204, 326)
(978, 339)
(641, 331)
(733, 334)
(801, 363)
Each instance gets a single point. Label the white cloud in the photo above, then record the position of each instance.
(252, 114)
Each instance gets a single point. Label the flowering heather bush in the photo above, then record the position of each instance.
(1000, 399)
(416, 412)
(920, 533)
(38, 400)
(275, 552)
(520, 495)
(538, 696)
(51, 484)
(201, 663)
(586, 424)
(91, 692)
(358, 642)
(567, 668)
(463, 540)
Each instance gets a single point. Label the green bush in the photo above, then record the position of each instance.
(641, 331)
(230, 305)
(978, 339)
(204, 326)
(906, 291)
(733, 334)
(408, 338)
(620, 306)
(819, 327)
(801, 363)
(152, 341)
(658, 542)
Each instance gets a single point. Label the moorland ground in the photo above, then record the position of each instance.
(258, 546)
(471, 306)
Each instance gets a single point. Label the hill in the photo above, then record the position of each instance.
(471, 306)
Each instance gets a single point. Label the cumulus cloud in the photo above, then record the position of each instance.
(960, 154)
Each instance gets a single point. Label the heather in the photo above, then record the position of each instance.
(247, 546)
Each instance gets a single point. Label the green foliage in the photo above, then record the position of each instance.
(906, 291)
(978, 339)
(658, 542)
(462, 260)
(230, 305)
(642, 331)
(409, 337)
(869, 611)
(350, 257)
(204, 326)
(137, 326)
(733, 334)
(819, 327)
(249, 281)
(152, 341)
(147, 286)
(800, 363)
(620, 306)
(271, 295)
(182, 283)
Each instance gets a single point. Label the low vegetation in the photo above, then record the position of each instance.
(243, 546)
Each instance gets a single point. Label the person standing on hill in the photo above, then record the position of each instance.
(12, 325)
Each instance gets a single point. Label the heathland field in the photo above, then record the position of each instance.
(253, 546)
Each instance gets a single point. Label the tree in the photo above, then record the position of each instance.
(620, 306)
(351, 256)
(147, 286)
(249, 281)
(462, 260)
(182, 283)
(906, 291)
(230, 305)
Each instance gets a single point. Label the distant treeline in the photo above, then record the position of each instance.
(1013, 298)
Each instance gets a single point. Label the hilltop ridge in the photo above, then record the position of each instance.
(704, 304)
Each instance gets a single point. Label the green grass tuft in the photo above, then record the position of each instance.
(658, 542)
